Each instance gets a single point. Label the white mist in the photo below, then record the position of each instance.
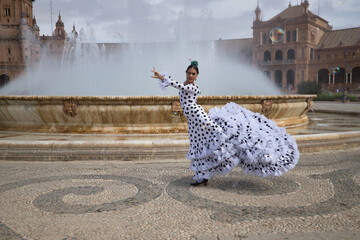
(91, 69)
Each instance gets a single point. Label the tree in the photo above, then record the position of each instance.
(309, 87)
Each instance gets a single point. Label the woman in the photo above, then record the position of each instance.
(231, 136)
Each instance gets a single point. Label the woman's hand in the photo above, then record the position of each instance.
(157, 75)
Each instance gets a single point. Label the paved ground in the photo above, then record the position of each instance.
(352, 108)
(319, 199)
(151, 198)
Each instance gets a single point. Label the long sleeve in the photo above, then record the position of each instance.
(169, 81)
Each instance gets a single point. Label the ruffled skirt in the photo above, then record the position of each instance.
(248, 140)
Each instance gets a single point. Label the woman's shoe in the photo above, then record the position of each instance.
(204, 182)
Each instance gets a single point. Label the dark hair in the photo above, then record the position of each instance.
(194, 65)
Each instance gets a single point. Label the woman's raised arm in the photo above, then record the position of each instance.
(157, 75)
(167, 80)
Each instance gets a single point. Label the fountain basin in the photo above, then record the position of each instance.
(133, 115)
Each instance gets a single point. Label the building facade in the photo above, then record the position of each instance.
(21, 46)
(307, 48)
(336, 61)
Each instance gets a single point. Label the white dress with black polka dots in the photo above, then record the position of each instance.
(233, 136)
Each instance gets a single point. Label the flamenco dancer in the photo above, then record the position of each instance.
(231, 136)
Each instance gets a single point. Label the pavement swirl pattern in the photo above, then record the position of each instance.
(112, 200)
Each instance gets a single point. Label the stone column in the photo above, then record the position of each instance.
(297, 35)
(329, 78)
(346, 77)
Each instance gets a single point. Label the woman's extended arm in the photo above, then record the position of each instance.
(167, 80)
(157, 75)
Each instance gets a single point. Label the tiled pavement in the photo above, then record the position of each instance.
(352, 108)
(142, 199)
(319, 199)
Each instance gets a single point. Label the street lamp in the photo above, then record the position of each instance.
(346, 54)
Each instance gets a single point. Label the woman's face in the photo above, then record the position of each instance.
(191, 75)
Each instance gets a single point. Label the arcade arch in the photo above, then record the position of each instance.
(278, 78)
(278, 55)
(290, 79)
(356, 75)
(267, 56)
(340, 76)
(291, 54)
(4, 79)
(323, 76)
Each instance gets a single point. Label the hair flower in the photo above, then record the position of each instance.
(194, 63)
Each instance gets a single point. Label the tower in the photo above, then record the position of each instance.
(258, 12)
(74, 32)
(18, 44)
(59, 30)
(13, 10)
(305, 5)
(54, 44)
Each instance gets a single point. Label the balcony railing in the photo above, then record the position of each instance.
(278, 62)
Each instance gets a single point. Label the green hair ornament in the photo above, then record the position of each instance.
(194, 63)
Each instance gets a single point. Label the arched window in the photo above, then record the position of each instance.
(278, 78)
(267, 56)
(278, 55)
(356, 75)
(288, 36)
(290, 79)
(7, 12)
(291, 54)
(294, 36)
(340, 76)
(323, 76)
(4, 79)
(264, 38)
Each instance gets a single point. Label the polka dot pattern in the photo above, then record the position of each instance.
(233, 136)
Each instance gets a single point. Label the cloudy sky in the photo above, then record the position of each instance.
(164, 20)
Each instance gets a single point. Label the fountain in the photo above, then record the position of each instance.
(106, 88)
(141, 106)
(124, 115)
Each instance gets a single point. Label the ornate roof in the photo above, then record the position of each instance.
(294, 12)
(35, 26)
(340, 38)
(59, 21)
